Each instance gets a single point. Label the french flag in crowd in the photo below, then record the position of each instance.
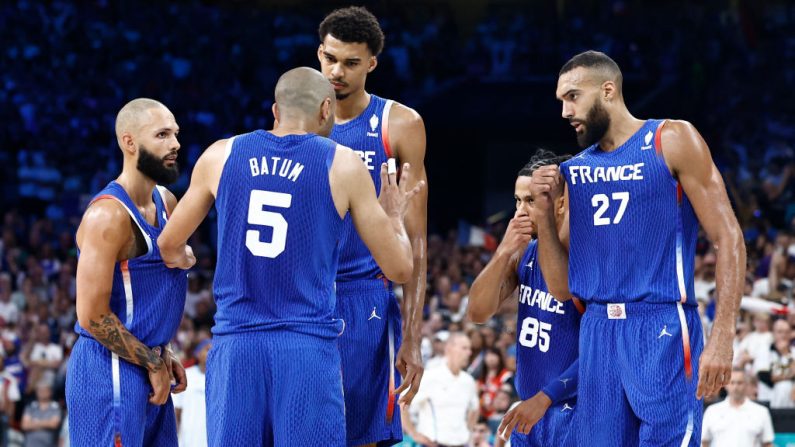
(473, 236)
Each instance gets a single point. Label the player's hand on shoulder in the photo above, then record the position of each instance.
(524, 416)
(394, 196)
(546, 187)
(518, 234)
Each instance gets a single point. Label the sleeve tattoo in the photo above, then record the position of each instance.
(109, 331)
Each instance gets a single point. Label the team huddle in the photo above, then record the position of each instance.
(316, 222)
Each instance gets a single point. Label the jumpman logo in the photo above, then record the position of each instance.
(373, 315)
(566, 407)
(530, 265)
(664, 332)
(565, 382)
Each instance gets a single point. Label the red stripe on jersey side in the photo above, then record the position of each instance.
(679, 193)
(685, 342)
(579, 305)
(385, 131)
(658, 139)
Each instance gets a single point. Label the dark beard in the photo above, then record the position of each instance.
(597, 121)
(153, 167)
(341, 96)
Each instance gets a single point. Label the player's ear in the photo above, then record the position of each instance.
(127, 144)
(560, 206)
(325, 110)
(372, 63)
(609, 91)
(275, 110)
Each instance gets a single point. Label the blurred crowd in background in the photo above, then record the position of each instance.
(69, 66)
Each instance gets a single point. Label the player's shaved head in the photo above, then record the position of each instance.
(301, 91)
(600, 65)
(134, 114)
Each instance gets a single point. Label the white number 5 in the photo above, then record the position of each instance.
(258, 216)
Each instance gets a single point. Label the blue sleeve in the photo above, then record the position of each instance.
(562, 386)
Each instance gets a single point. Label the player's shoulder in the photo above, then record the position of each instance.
(400, 113)
(577, 158)
(403, 118)
(105, 212)
(218, 149)
(346, 161)
(672, 128)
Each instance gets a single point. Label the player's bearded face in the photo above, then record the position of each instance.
(596, 123)
(156, 168)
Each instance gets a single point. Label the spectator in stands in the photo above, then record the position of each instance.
(42, 418)
(736, 421)
(491, 379)
(756, 345)
(190, 405)
(782, 366)
(447, 401)
(9, 312)
(41, 355)
(9, 396)
(481, 434)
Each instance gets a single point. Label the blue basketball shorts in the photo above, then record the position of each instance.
(556, 428)
(108, 402)
(638, 375)
(368, 346)
(274, 388)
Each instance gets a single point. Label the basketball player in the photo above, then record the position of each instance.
(377, 129)
(636, 195)
(129, 304)
(547, 329)
(273, 374)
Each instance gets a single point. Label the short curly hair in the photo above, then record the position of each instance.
(353, 24)
(542, 157)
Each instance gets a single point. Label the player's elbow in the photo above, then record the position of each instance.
(560, 292)
(476, 314)
(165, 245)
(402, 273)
(399, 270)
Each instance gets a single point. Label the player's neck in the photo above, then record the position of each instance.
(352, 106)
(622, 126)
(138, 186)
(294, 126)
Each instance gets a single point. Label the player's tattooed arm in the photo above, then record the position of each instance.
(109, 330)
(104, 238)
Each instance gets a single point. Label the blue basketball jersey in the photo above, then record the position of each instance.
(147, 296)
(633, 230)
(277, 236)
(367, 135)
(547, 332)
